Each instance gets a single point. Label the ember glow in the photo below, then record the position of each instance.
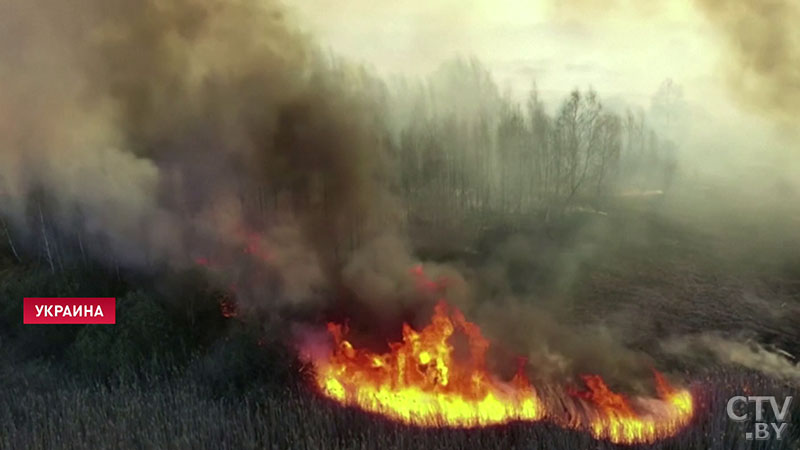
(421, 382)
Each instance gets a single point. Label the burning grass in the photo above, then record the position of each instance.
(420, 382)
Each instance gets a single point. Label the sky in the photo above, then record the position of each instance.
(624, 49)
(620, 51)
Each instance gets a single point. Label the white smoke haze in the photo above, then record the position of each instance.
(736, 64)
(752, 355)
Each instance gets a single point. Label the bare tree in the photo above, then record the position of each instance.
(10, 241)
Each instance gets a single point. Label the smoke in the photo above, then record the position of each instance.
(763, 58)
(556, 350)
(750, 354)
(215, 133)
(162, 132)
(760, 40)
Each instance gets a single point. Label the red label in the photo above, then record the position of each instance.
(48, 311)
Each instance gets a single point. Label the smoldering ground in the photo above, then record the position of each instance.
(166, 134)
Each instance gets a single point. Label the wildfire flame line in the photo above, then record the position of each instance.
(420, 382)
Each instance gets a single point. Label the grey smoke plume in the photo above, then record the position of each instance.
(162, 132)
(763, 58)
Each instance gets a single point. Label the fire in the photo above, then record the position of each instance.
(420, 381)
(228, 308)
(615, 419)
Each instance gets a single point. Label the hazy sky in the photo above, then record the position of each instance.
(624, 49)
(619, 51)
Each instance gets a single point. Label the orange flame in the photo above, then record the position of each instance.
(615, 419)
(228, 308)
(419, 381)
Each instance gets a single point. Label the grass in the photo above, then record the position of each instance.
(90, 388)
(43, 408)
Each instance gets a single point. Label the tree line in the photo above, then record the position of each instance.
(486, 154)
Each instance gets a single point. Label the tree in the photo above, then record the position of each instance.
(668, 109)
